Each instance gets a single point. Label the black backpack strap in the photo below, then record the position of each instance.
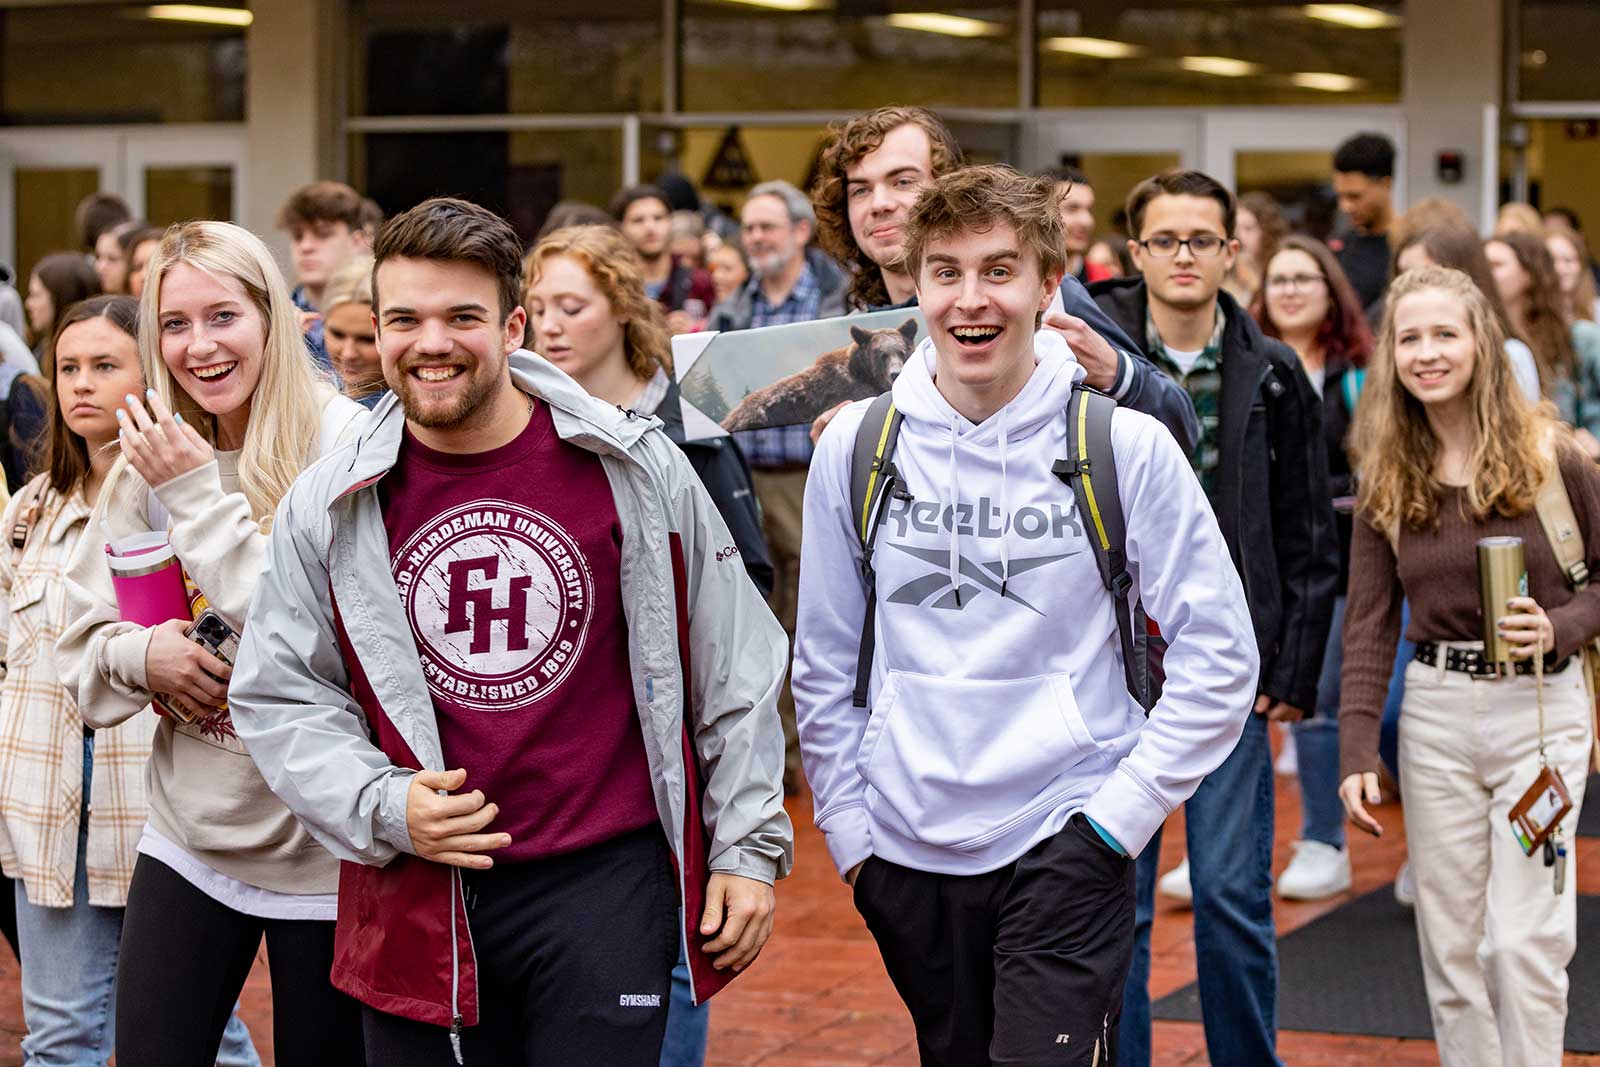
(872, 480)
(1091, 470)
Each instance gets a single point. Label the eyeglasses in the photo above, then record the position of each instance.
(1295, 283)
(1165, 245)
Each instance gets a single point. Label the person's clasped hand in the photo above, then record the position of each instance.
(157, 443)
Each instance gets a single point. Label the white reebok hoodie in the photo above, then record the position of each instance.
(998, 705)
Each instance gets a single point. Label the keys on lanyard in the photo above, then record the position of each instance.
(1555, 857)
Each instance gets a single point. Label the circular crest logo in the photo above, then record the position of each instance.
(499, 599)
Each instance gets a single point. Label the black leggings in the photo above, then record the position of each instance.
(185, 958)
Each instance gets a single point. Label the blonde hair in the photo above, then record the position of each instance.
(286, 407)
(1518, 217)
(617, 271)
(1396, 444)
(350, 284)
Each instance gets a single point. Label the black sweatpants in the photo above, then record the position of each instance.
(1020, 966)
(575, 957)
(183, 961)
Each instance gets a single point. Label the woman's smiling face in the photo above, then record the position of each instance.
(212, 337)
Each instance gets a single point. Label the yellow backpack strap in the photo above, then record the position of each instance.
(872, 480)
(1091, 470)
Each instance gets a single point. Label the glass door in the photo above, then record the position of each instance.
(166, 174)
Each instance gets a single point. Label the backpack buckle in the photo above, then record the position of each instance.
(1578, 574)
(1122, 584)
(1070, 468)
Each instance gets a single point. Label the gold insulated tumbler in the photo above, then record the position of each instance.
(1502, 574)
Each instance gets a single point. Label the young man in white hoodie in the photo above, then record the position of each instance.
(986, 803)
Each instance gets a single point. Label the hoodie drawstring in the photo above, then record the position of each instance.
(1005, 507)
(955, 537)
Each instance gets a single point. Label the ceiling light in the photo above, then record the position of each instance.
(1328, 83)
(211, 16)
(1353, 16)
(782, 5)
(949, 25)
(1221, 66)
(1094, 47)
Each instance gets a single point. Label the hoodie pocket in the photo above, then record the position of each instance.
(956, 763)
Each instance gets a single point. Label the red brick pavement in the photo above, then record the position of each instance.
(819, 996)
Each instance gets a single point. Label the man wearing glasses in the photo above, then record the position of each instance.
(1263, 465)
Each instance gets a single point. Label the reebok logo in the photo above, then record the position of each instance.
(936, 583)
(1063, 1039)
(982, 520)
(639, 1000)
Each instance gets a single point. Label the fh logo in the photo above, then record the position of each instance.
(481, 619)
(499, 599)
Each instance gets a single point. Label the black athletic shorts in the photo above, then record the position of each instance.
(1020, 966)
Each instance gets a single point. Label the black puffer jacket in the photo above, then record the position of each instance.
(1271, 495)
(726, 475)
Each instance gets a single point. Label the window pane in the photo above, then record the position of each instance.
(1109, 53)
(1558, 46)
(518, 175)
(44, 200)
(178, 194)
(61, 65)
(491, 57)
(830, 57)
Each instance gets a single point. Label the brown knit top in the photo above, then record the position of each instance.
(1437, 571)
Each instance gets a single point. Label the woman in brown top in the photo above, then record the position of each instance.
(1451, 453)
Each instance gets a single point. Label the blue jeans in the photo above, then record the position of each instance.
(69, 972)
(1229, 823)
(1389, 733)
(1316, 743)
(687, 1024)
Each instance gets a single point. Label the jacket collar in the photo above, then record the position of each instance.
(70, 511)
(578, 417)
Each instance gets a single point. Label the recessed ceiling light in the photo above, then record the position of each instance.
(211, 16)
(1094, 47)
(782, 5)
(1353, 16)
(1221, 66)
(1328, 83)
(949, 25)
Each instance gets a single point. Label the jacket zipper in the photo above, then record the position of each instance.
(455, 971)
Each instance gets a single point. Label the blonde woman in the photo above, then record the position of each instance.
(73, 799)
(1450, 453)
(348, 332)
(234, 413)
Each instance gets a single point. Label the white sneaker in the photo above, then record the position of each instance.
(1175, 883)
(1287, 765)
(1405, 886)
(1317, 871)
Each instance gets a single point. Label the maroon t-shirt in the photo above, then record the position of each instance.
(508, 566)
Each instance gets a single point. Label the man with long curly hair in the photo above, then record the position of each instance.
(869, 176)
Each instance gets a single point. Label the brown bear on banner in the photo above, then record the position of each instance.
(862, 369)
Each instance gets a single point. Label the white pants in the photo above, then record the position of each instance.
(1496, 939)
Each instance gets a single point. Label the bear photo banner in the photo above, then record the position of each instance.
(788, 375)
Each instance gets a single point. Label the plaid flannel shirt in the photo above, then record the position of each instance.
(1203, 382)
(42, 734)
(782, 446)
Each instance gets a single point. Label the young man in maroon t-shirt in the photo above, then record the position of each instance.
(540, 701)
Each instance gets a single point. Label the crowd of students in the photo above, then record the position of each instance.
(497, 768)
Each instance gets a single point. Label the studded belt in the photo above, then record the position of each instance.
(1471, 661)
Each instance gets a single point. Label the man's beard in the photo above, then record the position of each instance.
(480, 391)
(768, 266)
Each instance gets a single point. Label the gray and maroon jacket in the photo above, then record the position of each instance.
(707, 660)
